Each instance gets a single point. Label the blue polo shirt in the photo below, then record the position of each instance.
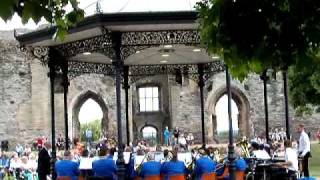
(240, 164)
(204, 165)
(173, 168)
(105, 167)
(150, 168)
(67, 168)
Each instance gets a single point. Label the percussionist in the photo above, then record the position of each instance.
(291, 160)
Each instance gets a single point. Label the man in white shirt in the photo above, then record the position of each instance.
(291, 160)
(304, 149)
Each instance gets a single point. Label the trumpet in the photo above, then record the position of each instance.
(244, 145)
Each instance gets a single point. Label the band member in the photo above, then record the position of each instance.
(259, 152)
(204, 164)
(150, 168)
(240, 163)
(67, 167)
(105, 166)
(167, 156)
(291, 162)
(173, 167)
(304, 149)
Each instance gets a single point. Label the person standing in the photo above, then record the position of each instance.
(304, 149)
(89, 136)
(44, 162)
(176, 133)
(291, 160)
(166, 135)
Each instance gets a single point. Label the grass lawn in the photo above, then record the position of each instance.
(314, 165)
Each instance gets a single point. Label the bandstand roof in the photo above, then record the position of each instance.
(149, 42)
(124, 22)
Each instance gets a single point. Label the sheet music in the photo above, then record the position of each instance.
(185, 157)
(139, 160)
(126, 157)
(158, 156)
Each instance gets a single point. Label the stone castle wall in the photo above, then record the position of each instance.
(25, 105)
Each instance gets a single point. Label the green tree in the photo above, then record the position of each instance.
(94, 126)
(252, 35)
(52, 10)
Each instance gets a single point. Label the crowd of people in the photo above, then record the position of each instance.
(142, 161)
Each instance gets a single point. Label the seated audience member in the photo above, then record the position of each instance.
(204, 164)
(151, 167)
(173, 167)
(104, 166)
(67, 167)
(259, 153)
(291, 158)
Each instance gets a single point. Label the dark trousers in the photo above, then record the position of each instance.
(42, 176)
(305, 164)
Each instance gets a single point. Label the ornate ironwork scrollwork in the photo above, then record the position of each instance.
(79, 68)
(212, 68)
(138, 72)
(101, 44)
(137, 41)
(161, 37)
(41, 53)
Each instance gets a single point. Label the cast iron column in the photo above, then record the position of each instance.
(118, 63)
(231, 155)
(52, 75)
(201, 84)
(65, 102)
(265, 78)
(285, 89)
(126, 88)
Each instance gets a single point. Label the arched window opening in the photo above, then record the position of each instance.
(149, 134)
(222, 121)
(90, 117)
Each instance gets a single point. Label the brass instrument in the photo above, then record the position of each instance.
(244, 145)
(217, 156)
(137, 168)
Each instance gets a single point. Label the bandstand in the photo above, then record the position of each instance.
(112, 44)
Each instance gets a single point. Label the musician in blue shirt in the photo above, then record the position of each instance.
(105, 166)
(173, 167)
(240, 163)
(150, 168)
(204, 164)
(67, 167)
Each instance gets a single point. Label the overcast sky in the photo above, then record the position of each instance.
(112, 6)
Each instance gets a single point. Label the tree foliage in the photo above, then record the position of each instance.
(52, 10)
(94, 126)
(252, 35)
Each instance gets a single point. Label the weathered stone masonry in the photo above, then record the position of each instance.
(24, 104)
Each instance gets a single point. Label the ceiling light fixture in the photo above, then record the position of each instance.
(164, 61)
(86, 53)
(167, 46)
(165, 55)
(137, 52)
(196, 50)
(215, 57)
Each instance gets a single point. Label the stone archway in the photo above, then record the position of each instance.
(81, 99)
(243, 107)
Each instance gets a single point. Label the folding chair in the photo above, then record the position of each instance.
(209, 176)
